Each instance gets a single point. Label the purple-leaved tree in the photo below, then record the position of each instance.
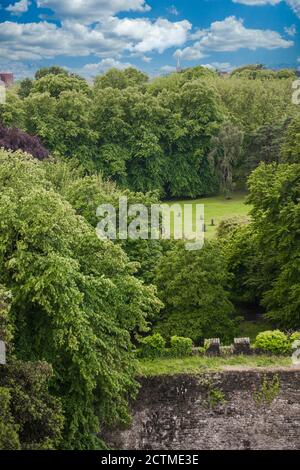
(15, 139)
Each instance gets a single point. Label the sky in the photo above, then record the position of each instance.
(91, 36)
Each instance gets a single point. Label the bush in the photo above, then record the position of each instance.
(295, 336)
(153, 346)
(229, 225)
(181, 347)
(274, 341)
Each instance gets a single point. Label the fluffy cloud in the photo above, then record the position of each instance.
(90, 70)
(168, 69)
(20, 69)
(223, 66)
(89, 11)
(18, 8)
(35, 41)
(172, 10)
(230, 35)
(291, 30)
(147, 36)
(294, 4)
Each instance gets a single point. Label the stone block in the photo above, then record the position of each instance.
(241, 346)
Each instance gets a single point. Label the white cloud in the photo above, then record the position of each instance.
(294, 4)
(190, 53)
(231, 35)
(20, 69)
(291, 30)
(222, 66)
(103, 66)
(168, 69)
(18, 8)
(173, 10)
(109, 38)
(257, 2)
(89, 11)
(35, 41)
(146, 35)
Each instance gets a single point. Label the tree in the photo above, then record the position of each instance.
(120, 79)
(53, 70)
(56, 84)
(290, 149)
(274, 194)
(63, 123)
(15, 139)
(264, 145)
(25, 87)
(225, 154)
(76, 303)
(193, 287)
(30, 416)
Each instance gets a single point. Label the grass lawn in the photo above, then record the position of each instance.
(198, 364)
(250, 329)
(217, 208)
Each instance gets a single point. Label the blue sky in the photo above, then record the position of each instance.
(90, 36)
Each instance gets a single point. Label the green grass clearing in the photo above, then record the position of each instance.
(217, 208)
(250, 329)
(198, 364)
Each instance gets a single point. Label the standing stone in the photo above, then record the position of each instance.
(213, 347)
(242, 346)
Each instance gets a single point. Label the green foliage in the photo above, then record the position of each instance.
(226, 154)
(9, 439)
(75, 301)
(25, 87)
(268, 391)
(180, 346)
(152, 346)
(228, 226)
(193, 287)
(118, 79)
(56, 84)
(255, 103)
(264, 145)
(215, 397)
(31, 416)
(274, 195)
(274, 341)
(295, 336)
(290, 150)
(53, 70)
(181, 134)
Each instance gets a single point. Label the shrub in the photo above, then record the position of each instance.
(229, 225)
(294, 340)
(274, 341)
(153, 346)
(295, 336)
(181, 347)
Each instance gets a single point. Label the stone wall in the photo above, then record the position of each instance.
(177, 413)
